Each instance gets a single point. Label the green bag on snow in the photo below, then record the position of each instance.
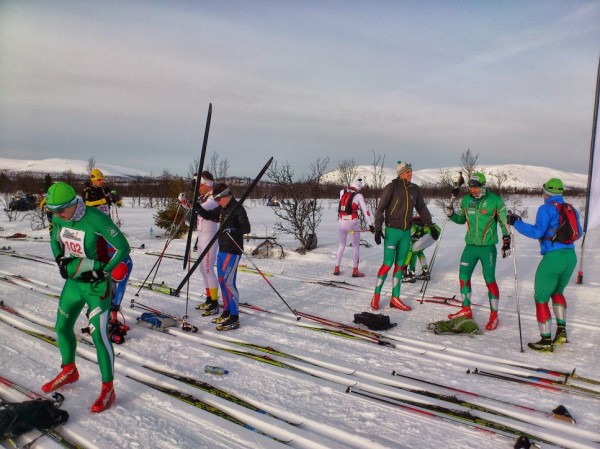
(460, 325)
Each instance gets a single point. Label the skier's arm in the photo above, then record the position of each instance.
(113, 235)
(537, 230)
(501, 213)
(363, 207)
(422, 210)
(212, 214)
(57, 247)
(459, 216)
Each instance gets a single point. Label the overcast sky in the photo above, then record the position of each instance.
(129, 82)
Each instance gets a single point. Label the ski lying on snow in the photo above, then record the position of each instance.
(152, 383)
(540, 382)
(430, 348)
(475, 420)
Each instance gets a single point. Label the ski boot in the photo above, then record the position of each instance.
(465, 311)
(212, 309)
(544, 345)
(231, 323)
(561, 336)
(424, 276)
(375, 302)
(357, 274)
(493, 321)
(396, 303)
(336, 270)
(408, 277)
(68, 375)
(220, 319)
(205, 305)
(106, 398)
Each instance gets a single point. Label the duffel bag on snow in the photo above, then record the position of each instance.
(155, 321)
(460, 325)
(19, 418)
(376, 322)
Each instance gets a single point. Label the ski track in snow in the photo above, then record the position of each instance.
(146, 418)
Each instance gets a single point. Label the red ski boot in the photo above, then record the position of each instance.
(465, 311)
(375, 302)
(336, 271)
(397, 303)
(357, 274)
(493, 322)
(106, 398)
(68, 375)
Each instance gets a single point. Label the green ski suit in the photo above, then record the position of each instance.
(481, 216)
(84, 238)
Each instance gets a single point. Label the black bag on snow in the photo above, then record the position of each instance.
(376, 322)
(19, 418)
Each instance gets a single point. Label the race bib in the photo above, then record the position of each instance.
(73, 241)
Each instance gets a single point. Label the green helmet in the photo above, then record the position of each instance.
(60, 196)
(554, 186)
(477, 179)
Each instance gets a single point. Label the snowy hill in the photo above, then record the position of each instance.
(524, 176)
(61, 165)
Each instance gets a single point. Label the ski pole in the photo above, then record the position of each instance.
(512, 239)
(158, 261)
(263, 276)
(437, 245)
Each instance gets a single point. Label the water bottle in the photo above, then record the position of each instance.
(215, 370)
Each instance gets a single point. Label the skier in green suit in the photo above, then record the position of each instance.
(78, 241)
(482, 211)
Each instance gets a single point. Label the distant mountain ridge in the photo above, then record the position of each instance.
(78, 167)
(521, 176)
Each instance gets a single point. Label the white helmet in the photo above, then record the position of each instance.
(357, 184)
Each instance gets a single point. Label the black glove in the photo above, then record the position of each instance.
(62, 262)
(372, 229)
(505, 246)
(433, 230)
(378, 235)
(92, 276)
(449, 211)
(511, 218)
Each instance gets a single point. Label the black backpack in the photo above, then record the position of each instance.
(19, 418)
(376, 322)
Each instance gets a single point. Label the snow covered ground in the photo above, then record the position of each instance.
(304, 410)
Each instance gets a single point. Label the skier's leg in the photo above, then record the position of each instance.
(99, 317)
(403, 241)
(488, 265)
(468, 260)
(70, 305)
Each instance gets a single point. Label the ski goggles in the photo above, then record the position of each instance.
(60, 208)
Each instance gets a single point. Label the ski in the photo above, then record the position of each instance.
(147, 380)
(455, 416)
(27, 257)
(540, 382)
(223, 226)
(194, 213)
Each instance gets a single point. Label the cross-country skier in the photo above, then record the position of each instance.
(555, 269)
(421, 238)
(78, 243)
(231, 246)
(482, 211)
(206, 231)
(99, 196)
(350, 201)
(398, 201)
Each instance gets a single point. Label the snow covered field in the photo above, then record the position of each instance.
(309, 410)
